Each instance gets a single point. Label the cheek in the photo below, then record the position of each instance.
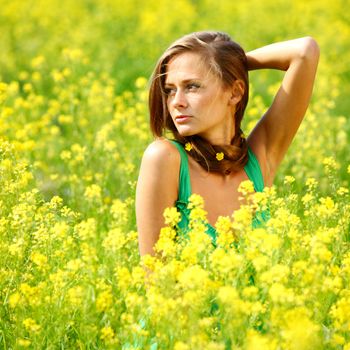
(168, 106)
(199, 102)
(211, 105)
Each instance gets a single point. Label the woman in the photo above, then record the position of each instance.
(199, 91)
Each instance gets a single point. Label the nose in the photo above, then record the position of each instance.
(179, 99)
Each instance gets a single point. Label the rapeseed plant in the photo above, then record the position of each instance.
(250, 289)
(72, 132)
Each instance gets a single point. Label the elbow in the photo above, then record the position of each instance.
(310, 49)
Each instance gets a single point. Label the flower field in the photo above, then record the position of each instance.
(73, 128)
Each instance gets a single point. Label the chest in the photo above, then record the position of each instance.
(220, 193)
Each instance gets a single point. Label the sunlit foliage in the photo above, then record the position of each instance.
(73, 127)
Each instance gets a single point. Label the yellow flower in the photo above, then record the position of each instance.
(59, 230)
(311, 183)
(141, 82)
(65, 119)
(223, 262)
(289, 179)
(27, 87)
(196, 201)
(133, 301)
(299, 331)
(327, 207)
(242, 218)
(340, 311)
(194, 277)
(246, 187)
(330, 163)
(107, 334)
(220, 156)
(198, 238)
(158, 303)
(79, 152)
(115, 240)
(188, 146)
(104, 300)
(23, 342)
(36, 76)
(57, 76)
(138, 275)
(307, 198)
(257, 341)
(166, 242)
(172, 216)
(75, 295)
(65, 155)
(280, 294)
(31, 325)
(227, 295)
(189, 255)
(55, 202)
(86, 229)
(23, 75)
(14, 299)
(71, 54)
(93, 192)
(148, 261)
(260, 199)
(39, 259)
(119, 211)
(250, 292)
(338, 339)
(320, 252)
(260, 262)
(277, 273)
(74, 265)
(224, 229)
(123, 277)
(342, 190)
(66, 72)
(179, 345)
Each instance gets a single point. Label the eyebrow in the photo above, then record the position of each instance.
(182, 82)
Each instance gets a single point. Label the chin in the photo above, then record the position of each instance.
(186, 132)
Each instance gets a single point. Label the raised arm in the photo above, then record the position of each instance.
(157, 189)
(276, 129)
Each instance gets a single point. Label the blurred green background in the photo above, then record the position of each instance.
(82, 58)
(74, 123)
(126, 37)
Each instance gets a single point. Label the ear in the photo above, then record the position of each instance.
(237, 91)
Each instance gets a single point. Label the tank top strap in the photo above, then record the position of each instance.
(253, 170)
(184, 178)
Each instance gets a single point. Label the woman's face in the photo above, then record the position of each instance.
(196, 100)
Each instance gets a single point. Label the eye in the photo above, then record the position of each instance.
(169, 91)
(193, 86)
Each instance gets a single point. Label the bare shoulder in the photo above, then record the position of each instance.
(157, 189)
(162, 153)
(160, 166)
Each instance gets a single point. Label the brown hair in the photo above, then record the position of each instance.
(228, 61)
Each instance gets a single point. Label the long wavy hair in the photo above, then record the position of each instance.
(228, 61)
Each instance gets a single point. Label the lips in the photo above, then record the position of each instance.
(180, 119)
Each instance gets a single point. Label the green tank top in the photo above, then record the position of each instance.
(253, 171)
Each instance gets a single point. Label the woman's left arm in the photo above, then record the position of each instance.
(276, 129)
